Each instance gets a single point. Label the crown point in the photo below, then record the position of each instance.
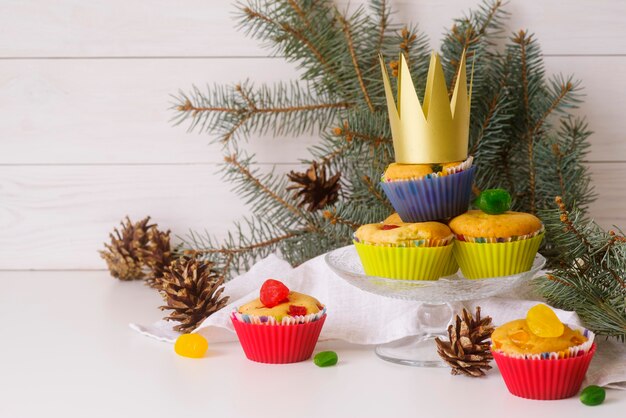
(435, 131)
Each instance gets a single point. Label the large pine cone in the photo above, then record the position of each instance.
(158, 255)
(192, 290)
(468, 351)
(124, 255)
(313, 189)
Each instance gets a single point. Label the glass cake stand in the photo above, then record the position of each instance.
(434, 313)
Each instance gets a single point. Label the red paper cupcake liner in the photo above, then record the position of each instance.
(278, 344)
(544, 379)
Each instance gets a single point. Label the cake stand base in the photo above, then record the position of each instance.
(421, 350)
(418, 351)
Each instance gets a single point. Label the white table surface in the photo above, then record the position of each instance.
(67, 351)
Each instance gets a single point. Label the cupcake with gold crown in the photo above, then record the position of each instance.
(432, 176)
(280, 326)
(539, 357)
(494, 241)
(407, 251)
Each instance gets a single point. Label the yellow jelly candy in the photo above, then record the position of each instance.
(543, 322)
(191, 345)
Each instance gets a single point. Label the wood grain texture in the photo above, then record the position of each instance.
(57, 217)
(608, 209)
(117, 111)
(119, 28)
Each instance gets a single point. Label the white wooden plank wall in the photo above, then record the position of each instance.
(85, 136)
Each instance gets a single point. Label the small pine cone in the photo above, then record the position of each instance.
(158, 255)
(468, 351)
(124, 255)
(192, 290)
(313, 188)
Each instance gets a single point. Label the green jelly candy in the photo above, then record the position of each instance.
(592, 395)
(325, 358)
(494, 201)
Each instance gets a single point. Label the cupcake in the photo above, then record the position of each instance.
(451, 267)
(541, 358)
(427, 192)
(281, 326)
(408, 251)
(499, 243)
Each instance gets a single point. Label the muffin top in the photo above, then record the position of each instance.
(404, 234)
(515, 337)
(397, 171)
(294, 304)
(476, 223)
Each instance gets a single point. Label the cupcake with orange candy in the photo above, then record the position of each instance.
(281, 326)
(539, 357)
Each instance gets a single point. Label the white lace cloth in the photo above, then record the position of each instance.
(359, 317)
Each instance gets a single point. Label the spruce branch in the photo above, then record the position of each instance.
(281, 109)
(346, 29)
(381, 10)
(250, 240)
(333, 218)
(589, 271)
(523, 41)
(371, 187)
(300, 13)
(241, 168)
(306, 34)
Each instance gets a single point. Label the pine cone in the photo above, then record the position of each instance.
(158, 255)
(313, 188)
(467, 352)
(124, 255)
(192, 290)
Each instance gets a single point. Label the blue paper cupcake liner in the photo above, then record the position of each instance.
(430, 199)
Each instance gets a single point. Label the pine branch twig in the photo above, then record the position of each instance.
(355, 63)
(232, 160)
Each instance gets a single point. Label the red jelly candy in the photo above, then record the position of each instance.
(273, 292)
(388, 227)
(296, 310)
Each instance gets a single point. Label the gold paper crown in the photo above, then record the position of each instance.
(436, 132)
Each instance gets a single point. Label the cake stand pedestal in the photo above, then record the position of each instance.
(434, 313)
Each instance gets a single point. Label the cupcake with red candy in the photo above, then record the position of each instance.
(407, 251)
(281, 326)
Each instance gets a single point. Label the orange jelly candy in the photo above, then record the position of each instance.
(191, 345)
(519, 337)
(543, 322)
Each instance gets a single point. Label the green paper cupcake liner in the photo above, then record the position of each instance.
(405, 263)
(482, 260)
(451, 266)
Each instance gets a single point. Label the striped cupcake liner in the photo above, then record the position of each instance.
(465, 165)
(493, 240)
(285, 320)
(546, 376)
(405, 263)
(430, 199)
